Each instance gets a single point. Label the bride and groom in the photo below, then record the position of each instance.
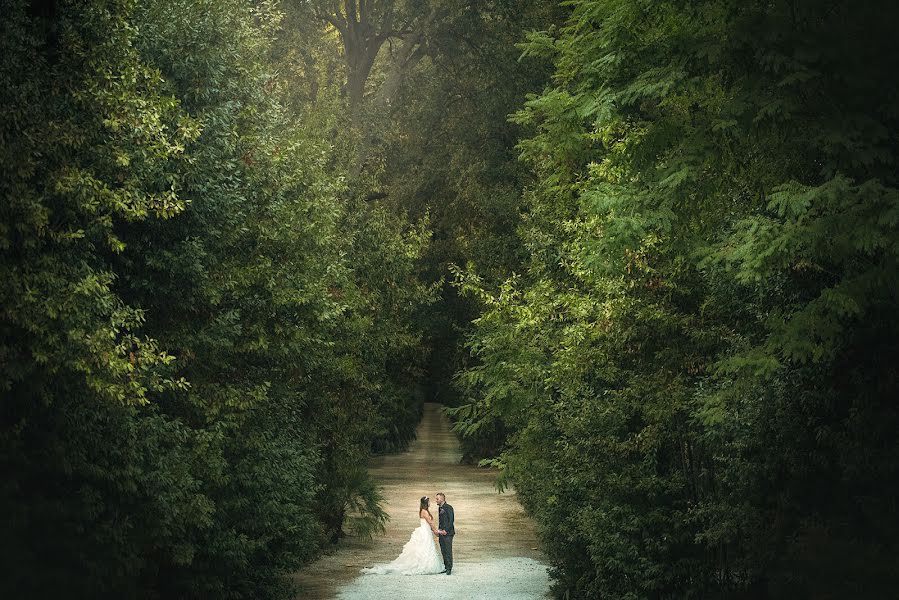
(419, 555)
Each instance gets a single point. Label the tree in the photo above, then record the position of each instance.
(364, 27)
(199, 331)
(688, 363)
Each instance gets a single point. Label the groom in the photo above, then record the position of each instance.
(446, 531)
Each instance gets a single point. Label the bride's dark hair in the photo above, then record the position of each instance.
(424, 504)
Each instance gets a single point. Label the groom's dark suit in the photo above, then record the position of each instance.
(445, 522)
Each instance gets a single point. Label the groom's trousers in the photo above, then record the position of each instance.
(446, 549)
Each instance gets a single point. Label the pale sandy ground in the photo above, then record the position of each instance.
(495, 550)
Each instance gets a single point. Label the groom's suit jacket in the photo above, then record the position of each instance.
(446, 518)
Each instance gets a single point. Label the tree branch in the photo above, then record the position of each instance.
(331, 14)
(364, 14)
(351, 16)
(341, 27)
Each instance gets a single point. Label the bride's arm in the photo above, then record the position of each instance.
(427, 517)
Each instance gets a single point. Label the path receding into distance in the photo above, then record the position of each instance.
(495, 551)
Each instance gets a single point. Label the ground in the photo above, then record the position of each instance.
(496, 554)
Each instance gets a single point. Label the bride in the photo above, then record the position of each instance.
(419, 555)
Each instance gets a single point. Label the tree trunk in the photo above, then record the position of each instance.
(364, 26)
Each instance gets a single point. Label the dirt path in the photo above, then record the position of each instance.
(495, 549)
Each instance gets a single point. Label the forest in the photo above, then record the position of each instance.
(644, 252)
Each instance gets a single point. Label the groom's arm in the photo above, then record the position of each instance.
(450, 518)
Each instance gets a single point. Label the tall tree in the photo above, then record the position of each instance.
(364, 27)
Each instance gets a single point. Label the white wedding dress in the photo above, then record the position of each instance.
(419, 556)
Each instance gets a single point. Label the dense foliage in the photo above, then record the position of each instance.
(241, 241)
(695, 365)
(203, 334)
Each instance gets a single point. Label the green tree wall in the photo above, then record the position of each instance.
(202, 339)
(693, 367)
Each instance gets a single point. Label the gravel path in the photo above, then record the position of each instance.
(495, 549)
(506, 578)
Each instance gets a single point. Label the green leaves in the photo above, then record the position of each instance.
(200, 337)
(692, 345)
